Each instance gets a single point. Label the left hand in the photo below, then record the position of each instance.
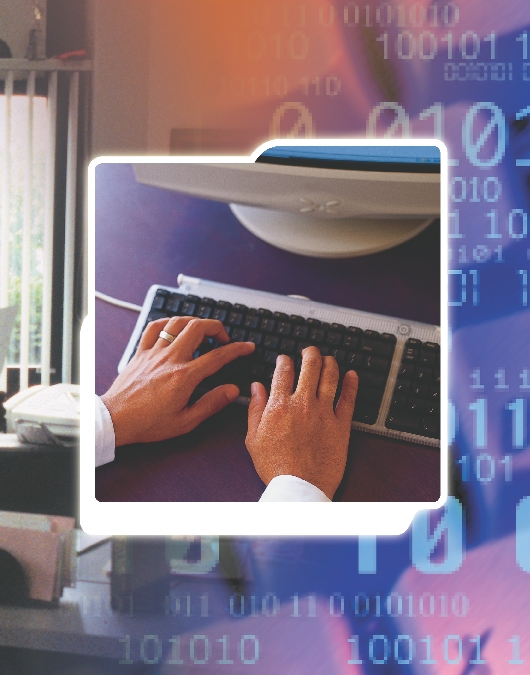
(148, 401)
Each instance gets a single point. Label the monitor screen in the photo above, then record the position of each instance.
(412, 159)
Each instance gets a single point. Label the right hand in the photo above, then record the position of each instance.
(300, 434)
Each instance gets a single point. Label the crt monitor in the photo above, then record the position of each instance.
(317, 200)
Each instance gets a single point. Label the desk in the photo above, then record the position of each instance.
(145, 236)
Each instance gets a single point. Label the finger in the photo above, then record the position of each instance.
(258, 401)
(209, 404)
(310, 373)
(150, 334)
(173, 326)
(195, 332)
(210, 363)
(329, 379)
(346, 403)
(283, 378)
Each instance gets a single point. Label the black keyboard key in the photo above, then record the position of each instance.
(159, 300)
(367, 379)
(300, 332)
(222, 304)
(333, 338)
(174, 303)
(430, 428)
(376, 364)
(287, 346)
(375, 347)
(153, 316)
(403, 387)
(410, 355)
(270, 341)
(338, 327)
(281, 316)
(404, 421)
(208, 301)
(339, 355)
(352, 330)
(399, 401)
(435, 347)
(316, 336)
(268, 325)
(369, 395)
(219, 314)
(204, 312)
(423, 374)
(255, 337)
(239, 335)
(350, 341)
(251, 321)
(388, 337)
(420, 390)
(240, 308)
(416, 405)
(301, 346)
(428, 358)
(284, 328)
(295, 318)
(365, 414)
(406, 371)
(371, 334)
(264, 312)
(314, 323)
(270, 357)
(235, 318)
(193, 298)
(188, 308)
(354, 360)
(414, 343)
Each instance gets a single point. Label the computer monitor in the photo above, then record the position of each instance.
(319, 198)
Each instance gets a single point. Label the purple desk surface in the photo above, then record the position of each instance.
(145, 235)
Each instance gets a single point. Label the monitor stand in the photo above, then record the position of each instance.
(327, 237)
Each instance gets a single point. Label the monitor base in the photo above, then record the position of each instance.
(327, 237)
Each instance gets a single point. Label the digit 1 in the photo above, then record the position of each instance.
(479, 407)
(463, 461)
(454, 231)
(518, 422)
(225, 660)
(175, 659)
(449, 39)
(498, 251)
(475, 375)
(384, 39)
(311, 605)
(507, 461)
(494, 227)
(476, 292)
(524, 39)
(355, 660)
(429, 661)
(491, 39)
(477, 660)
(500, 376)
(516, 659)
(474, 184)
(524, 377)
(204, 605)
(524, 281)
(436, 111)
(127, 661)
(295, 605)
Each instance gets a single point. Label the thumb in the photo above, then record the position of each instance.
(209, 404)
(258, 401)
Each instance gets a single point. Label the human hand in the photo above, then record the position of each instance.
(299, 434)
(148, 401)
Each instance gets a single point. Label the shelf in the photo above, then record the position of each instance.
(44, 65)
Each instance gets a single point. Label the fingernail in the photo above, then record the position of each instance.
(253, 389)
(252, 343)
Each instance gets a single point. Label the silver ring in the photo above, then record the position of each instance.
(166, 336)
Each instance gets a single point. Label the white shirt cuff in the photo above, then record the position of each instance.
(105, 439)
(292, 489)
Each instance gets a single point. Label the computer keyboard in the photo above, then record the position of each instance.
(397, 361)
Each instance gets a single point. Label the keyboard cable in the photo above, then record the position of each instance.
(118, 303)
